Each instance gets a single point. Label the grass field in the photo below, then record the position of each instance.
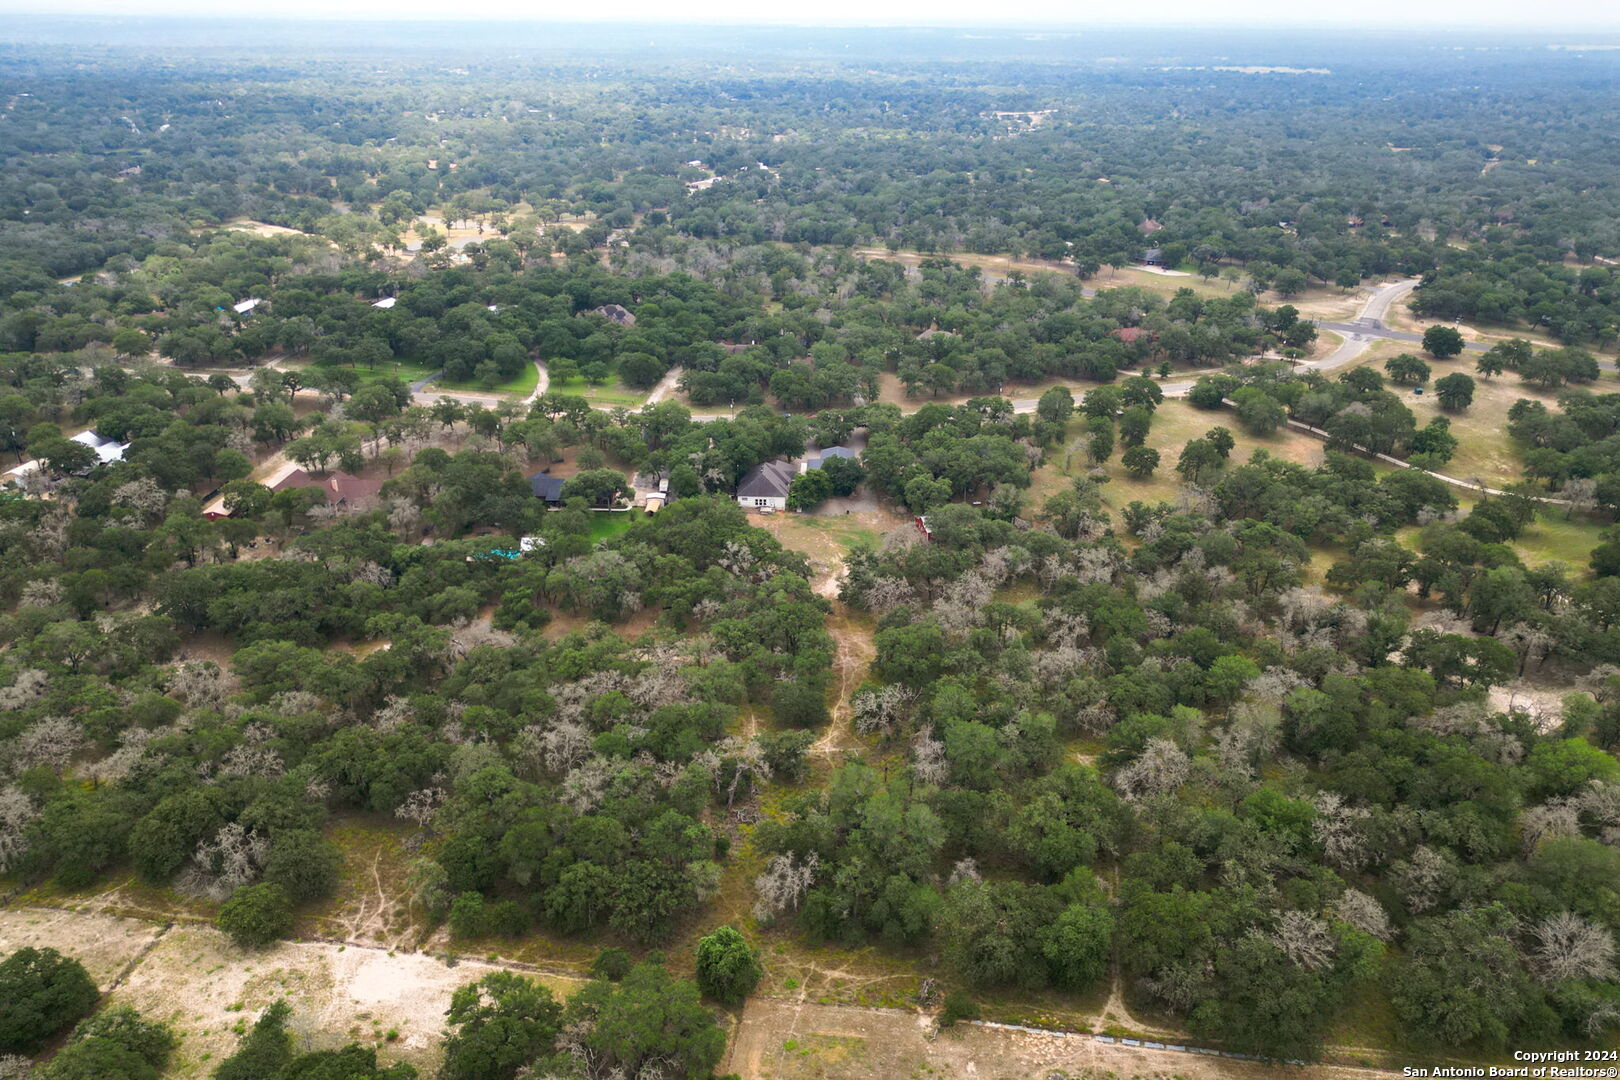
(1175, 423)
(608, 395)
(606, 525)
(404, 371)
(521, 385)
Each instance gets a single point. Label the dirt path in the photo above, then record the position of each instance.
(192, 976)
(666, 386)
(854, 651)
(784, 1040)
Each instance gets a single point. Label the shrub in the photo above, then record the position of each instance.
(959, 1006)
(727, 966)
(256, 915)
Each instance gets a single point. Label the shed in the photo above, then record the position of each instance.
(246, 307)
(386, 302)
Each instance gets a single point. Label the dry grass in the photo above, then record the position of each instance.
(1175, 423)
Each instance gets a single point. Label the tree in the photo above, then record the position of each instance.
(116, 1043)
(1077, 947)
(256, 915)
(727, 966)
(42, 993)
(649, 1016)
(1505, 355)
(1442, 342)
(1461, 982)
(1455, 392)
(1197, 458)
(598, 487)
(809, 490)
(1407, 368)
(304, 863)
(1140, 461)
(498, 1025)
(1056, 405)
(1259, 411)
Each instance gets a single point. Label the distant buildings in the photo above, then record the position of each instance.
(246, 307)
(386, 302)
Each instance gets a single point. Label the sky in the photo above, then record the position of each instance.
(1370, 14)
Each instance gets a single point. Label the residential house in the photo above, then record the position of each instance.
(765, 486)
(829, 453)
(616, 313)
(340, 488)
(547, 488)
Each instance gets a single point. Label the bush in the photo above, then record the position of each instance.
(304, 863)
(611, 964)
(727, 966)
(469, 918)
(42, 993)
(959, 1006)
(256, 915)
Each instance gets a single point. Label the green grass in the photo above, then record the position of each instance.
(1554, 538)
(605, 525)
(611, 393)
(403, 370)
(522, 384)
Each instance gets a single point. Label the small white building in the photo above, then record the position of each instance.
(246, 306)
(386, 302)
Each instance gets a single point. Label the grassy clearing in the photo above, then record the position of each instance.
(606, 525)
(522, 384)
(607, 396)
(1175, 423)
(403, 370)
(1485, 451)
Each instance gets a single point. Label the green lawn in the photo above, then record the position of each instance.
(405, 371)
(521, 385)
(606, 396)
(605, 524)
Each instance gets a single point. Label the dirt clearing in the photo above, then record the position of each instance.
(782, 1041)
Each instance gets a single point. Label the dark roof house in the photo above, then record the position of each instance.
(547, 487)
(615, 313)
(1153, 256)
(767, 481)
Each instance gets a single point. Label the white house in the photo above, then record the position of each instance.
(246, 306)
(765, 487)
(386, 302)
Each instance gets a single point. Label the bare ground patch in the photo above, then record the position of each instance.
(780, 1040)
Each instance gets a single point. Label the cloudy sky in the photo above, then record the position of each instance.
(1371, 14)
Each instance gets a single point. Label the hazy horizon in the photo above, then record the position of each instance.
(1464, 16)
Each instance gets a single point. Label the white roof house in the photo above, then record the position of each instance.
(111, 451)
(246, 306)
(386, 302)
(88, 438)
